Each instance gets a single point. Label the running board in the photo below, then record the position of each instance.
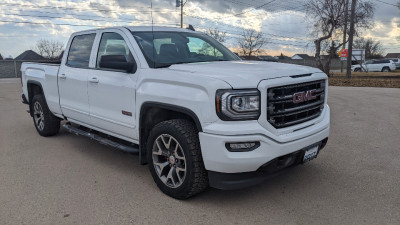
(100, 139)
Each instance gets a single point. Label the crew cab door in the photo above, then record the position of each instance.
(73, 77)
(111, 88)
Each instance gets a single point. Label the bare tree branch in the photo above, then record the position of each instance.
(328, 18)
(217, 35)
(49, 49)
(252, 42)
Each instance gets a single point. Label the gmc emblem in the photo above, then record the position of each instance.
(304, 96)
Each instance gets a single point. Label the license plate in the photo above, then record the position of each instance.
(310, 154)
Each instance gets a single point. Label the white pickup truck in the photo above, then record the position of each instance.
(193, 110)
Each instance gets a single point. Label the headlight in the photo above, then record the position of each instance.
(238, 104)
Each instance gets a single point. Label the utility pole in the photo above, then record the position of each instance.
(351, 34)
(346, 12)
(179, 3)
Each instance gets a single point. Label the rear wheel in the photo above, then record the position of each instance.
(386, 69)
(45, 122)
(175, 159)
(357, 70)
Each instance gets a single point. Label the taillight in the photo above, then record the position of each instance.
(20, 77)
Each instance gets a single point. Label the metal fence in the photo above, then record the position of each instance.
(11, 68)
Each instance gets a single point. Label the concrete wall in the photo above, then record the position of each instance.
(11, 68)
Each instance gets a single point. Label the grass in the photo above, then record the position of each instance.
(364, 82)
(374, 74)
(363, 79)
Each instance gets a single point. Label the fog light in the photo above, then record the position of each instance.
(242, 146)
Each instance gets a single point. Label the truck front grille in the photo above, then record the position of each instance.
(293, 104)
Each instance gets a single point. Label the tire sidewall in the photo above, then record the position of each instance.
(39, 99)
(185, 186)
(51, 123)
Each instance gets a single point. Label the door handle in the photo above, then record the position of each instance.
(62, 76)
(94, 80)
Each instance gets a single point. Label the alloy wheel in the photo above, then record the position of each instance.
(169, 160)
(38, 115)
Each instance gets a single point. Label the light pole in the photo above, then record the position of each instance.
(351, 34)
(180, 3)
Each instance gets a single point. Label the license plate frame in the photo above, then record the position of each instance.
(310, 153)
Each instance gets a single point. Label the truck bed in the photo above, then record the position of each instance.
(45, 75)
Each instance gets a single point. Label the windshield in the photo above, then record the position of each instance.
(163, 49)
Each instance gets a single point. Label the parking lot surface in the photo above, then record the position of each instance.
(67, 179)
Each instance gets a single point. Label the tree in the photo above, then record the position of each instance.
(50, 49)
(373, 49)
(282, 56)
(328, 18)
(252, 42)
(217, 35)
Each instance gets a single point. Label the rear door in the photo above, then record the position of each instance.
(112, 91)
(73, 77)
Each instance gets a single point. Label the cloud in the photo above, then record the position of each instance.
(282, 22)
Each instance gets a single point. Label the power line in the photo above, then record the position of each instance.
(50, 23)
(387, 3)
(80, 9)
(236, 27)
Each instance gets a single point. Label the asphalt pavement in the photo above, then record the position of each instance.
(68, 179)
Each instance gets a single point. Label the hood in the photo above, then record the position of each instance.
(243, 74)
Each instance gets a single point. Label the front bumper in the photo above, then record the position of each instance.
(229, 169)
(229, 181)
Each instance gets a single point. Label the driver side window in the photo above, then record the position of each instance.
(198, 47)
(113, 45)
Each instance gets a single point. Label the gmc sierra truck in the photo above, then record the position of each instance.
(196, 113)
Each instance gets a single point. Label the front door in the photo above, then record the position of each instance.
(112, 91)
(72, 79)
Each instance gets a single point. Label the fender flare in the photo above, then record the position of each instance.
(28, 82)
(176, 108)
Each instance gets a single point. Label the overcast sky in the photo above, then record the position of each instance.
(284, 22)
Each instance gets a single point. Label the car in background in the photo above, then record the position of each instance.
(375, 65)
(267, 58)
(396, 62)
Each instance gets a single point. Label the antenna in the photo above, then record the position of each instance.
(152, 33)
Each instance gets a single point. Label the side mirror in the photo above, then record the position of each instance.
(117, 62)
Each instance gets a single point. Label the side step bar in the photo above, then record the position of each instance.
(100, 139)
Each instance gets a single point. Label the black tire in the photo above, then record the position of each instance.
(357, 70)
(186, 135)
(385, 69)
(46, 123)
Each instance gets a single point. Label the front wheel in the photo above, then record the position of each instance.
(175, 159)
(45, 122)
(386, 69)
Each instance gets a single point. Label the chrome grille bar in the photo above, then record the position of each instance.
(284, 111)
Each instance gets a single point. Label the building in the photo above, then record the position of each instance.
(392, 55)
(301, 56)
(29, 55)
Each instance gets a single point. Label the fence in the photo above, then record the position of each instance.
(335, 63)
(11, 68)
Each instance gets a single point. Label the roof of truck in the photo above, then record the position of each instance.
(157, 28)
(141, 28)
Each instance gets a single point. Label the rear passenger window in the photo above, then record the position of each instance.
(79, 52)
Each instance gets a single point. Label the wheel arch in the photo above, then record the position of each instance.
(34, 87)
(152, 113)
